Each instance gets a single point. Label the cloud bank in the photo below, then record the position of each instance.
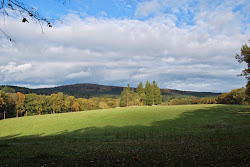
(194, 53)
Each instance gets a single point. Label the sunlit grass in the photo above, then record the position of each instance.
(119, 117)
(189, 135)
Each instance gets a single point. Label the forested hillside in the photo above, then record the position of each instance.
(86, 90)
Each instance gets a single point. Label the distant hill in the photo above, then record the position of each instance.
(87, 90)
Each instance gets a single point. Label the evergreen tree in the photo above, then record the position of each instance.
(156, 94)
(141, 93)
(149, 98)
(126, 97)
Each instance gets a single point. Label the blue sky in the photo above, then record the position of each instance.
(187, 45)
(96, 8)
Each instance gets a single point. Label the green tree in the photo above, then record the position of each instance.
(9, 99)
(7, 89)
(245, 57)
(156, 94)
(149, 97)
(30, 106)
(247, 92)
(126, 97)
(141, 93)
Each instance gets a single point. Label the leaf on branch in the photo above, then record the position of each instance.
(24, 20)
(10, 6)
(49, 24)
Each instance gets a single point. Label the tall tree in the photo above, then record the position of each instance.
(9, 99)
(30, 106)
(2, 104)
(141, 93)
(245, 57)
(156, 94)
(149, 97)
(126, 97)
(19, 103)
(57, 102)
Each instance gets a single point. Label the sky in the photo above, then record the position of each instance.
(185, 44)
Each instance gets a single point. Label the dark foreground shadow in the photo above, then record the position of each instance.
(214, 136)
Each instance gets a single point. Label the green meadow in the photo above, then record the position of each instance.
(187, 135)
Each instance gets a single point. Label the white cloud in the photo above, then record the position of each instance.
(116, 52)
(32, 86)
(12, 68)
(144, 9)
(168, 59)
(78, 75)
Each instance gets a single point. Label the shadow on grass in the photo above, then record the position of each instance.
(213, 136)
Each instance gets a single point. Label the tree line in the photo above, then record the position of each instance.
(148, 95)
(235, 96)
(19, 104)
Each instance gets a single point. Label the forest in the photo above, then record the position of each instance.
(19, 104)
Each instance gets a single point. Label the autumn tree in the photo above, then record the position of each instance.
(57, 102)
(19, 100)
(175, 102)
(2, 104)
(84, 104)
(236, 96)
(112, 103)
(71, 104)
(103, 105)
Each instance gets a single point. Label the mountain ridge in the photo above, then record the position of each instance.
(89, 90)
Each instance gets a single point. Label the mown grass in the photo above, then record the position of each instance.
(191, 135)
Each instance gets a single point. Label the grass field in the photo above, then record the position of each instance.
(191, 135)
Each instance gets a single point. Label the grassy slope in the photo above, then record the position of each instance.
(137, 118)
(159, 135)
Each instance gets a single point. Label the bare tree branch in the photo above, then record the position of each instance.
(26, 11)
